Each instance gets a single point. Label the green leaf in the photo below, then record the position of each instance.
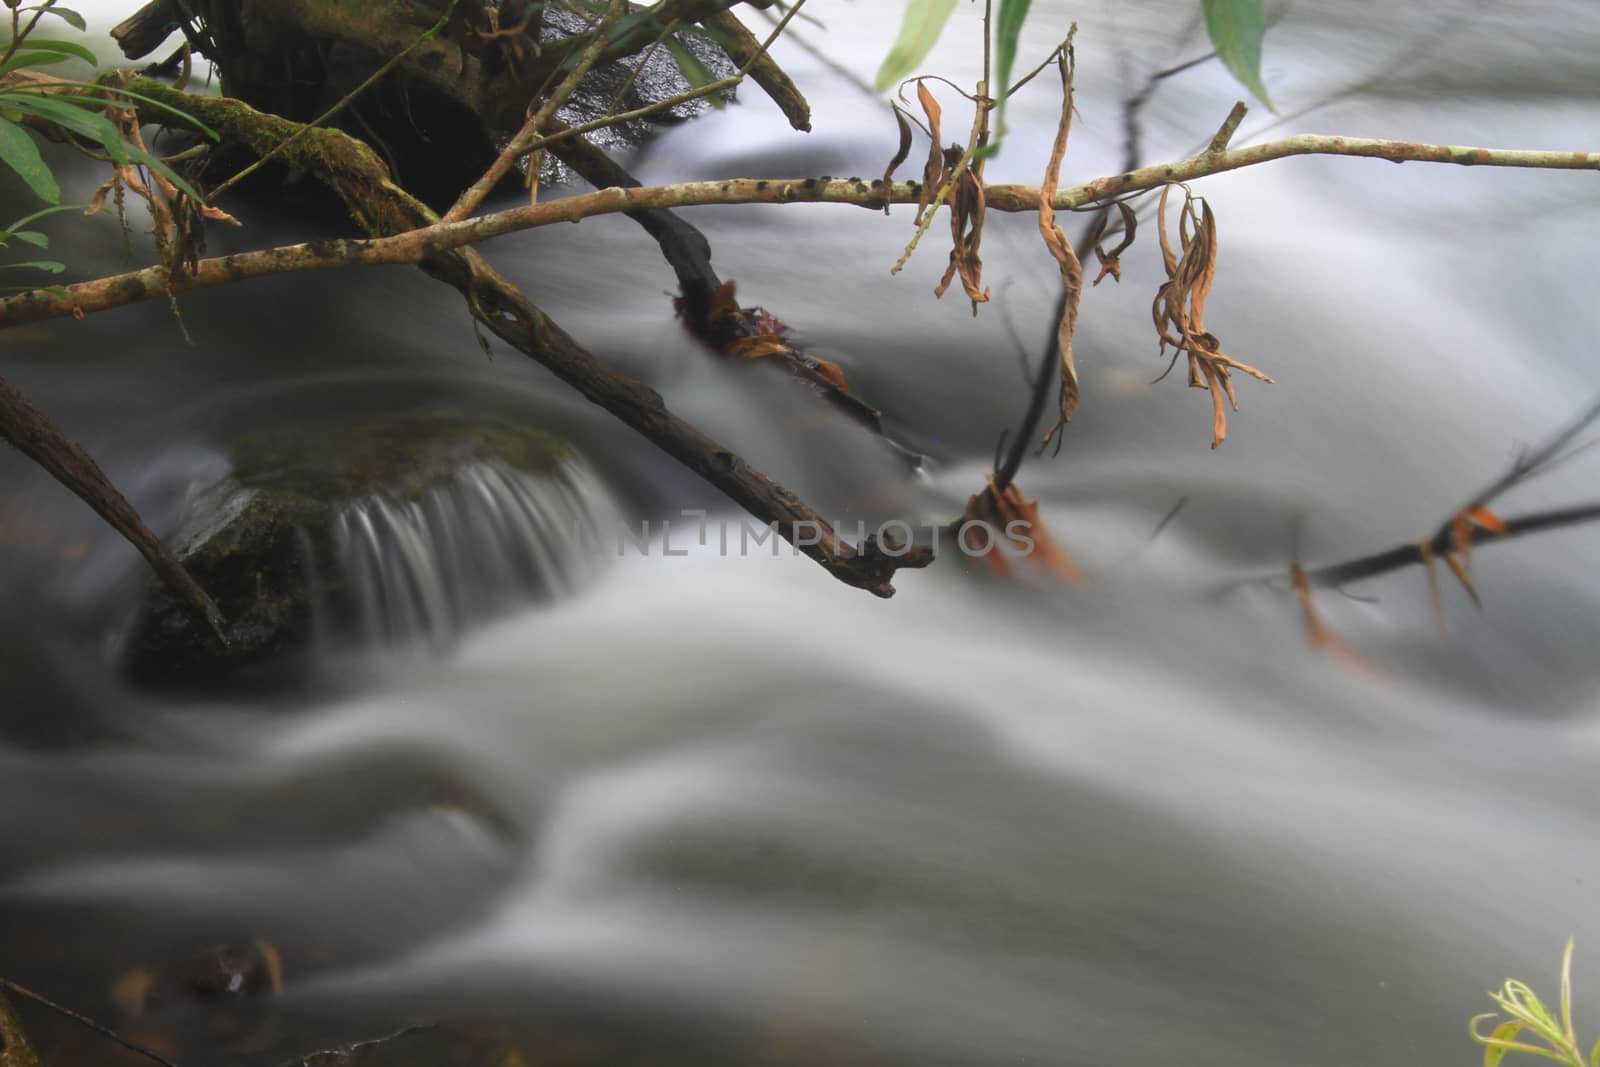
(18, 151)
(24, 58)
(42, 213)
(96, 127)
(50, 266)
(30, 237)
(111, 98)
(919, 31)
(1493, 1054)
(694, 72)
(1008, 30)
(72, 117)
(67, 48)
(69, 16)
(1236, 28)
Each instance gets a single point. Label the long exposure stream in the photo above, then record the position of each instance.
(716, 808)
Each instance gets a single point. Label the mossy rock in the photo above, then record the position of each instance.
(262, 540)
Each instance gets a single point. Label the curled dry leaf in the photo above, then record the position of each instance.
(1179, 308)
(934, 170)
(1458, 557)
(967, 209)
(1061, 249)
(1320, 637)
(999, 509)
(899, 157)
(1111, 261)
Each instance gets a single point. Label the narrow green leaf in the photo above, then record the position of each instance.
(919, 32)
(98, 128)
(48, 265)
(694, 72)
(68, 48)
(1008, 31)
(69, 16)
(19, 152)
(42, 213)
(1236, 28)
(30, 237)
(110, 97)
(1493, 1054)
(24, 58)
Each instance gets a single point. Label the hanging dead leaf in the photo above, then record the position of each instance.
(1323, 639)
(1459, 569)
(1065, 255)
(933, 171)
(1435, 593)
(1179, 308)
(1009, 512)
(967, 209)
(1111, 261)
(899, 157)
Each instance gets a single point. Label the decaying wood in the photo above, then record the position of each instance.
(689, 255)
(142, 32)
(742, 46)
(33, 434)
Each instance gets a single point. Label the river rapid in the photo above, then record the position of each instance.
(721, 809)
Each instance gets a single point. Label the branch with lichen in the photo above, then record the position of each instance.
(417, 245)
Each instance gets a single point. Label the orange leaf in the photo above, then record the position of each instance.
(758, 346)
(723, 304)
(1425, 550)
(1458, 569)
(1487, 519)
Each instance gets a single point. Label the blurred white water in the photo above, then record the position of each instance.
(976, 823)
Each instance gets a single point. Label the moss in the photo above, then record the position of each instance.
(261, 541)
(405, 454)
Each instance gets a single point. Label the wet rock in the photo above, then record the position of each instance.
(369, 529)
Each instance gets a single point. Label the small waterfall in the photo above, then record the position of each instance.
(415, 573)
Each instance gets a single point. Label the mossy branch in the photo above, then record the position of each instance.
(417, 245)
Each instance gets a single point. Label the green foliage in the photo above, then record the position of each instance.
(78, 108)
(18, 152)
(694, 72)
(1558, 1040)
(1237, 28)
(1008, 31)
(919, 32)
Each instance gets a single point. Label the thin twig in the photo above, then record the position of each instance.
(85, 1021)
(1403, 556)
(522, 143)
(306, 1059)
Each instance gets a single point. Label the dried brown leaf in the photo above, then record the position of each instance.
(1066, 257)
(1323, 639)
(899, 156)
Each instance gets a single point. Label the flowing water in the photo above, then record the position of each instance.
(720, 809)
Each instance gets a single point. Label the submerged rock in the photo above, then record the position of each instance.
(395, 529)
